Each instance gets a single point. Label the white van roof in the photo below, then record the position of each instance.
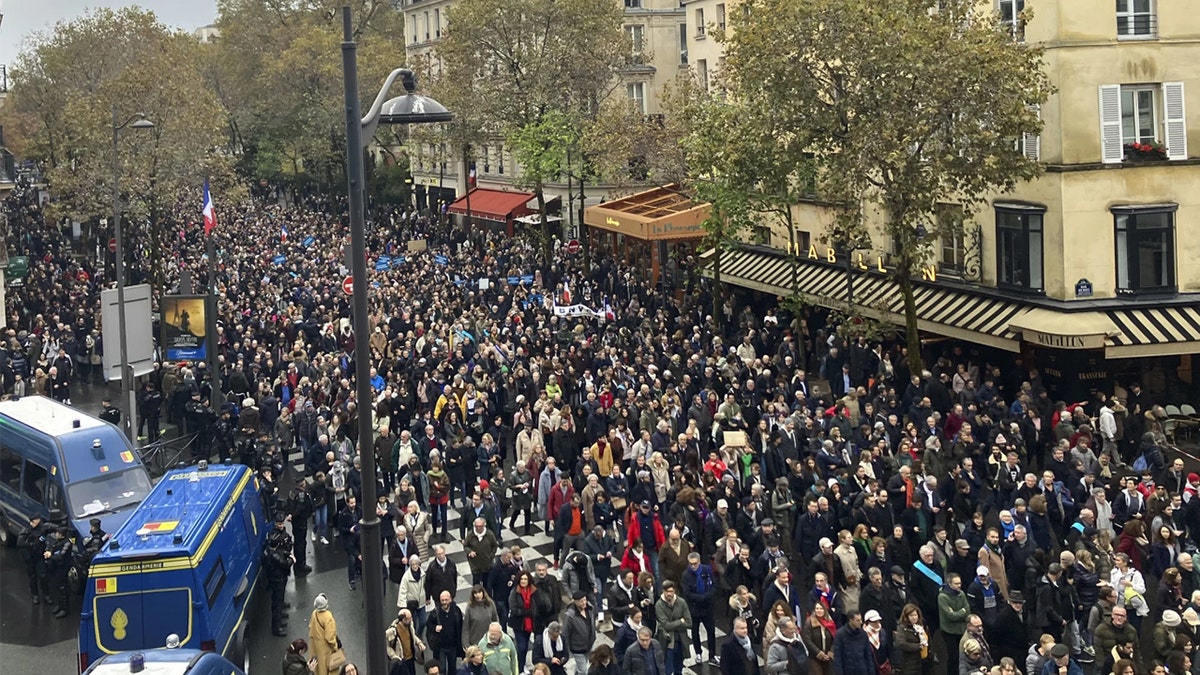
(46, 414)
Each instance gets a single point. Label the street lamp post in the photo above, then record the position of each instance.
(409, 108)
(136, 121)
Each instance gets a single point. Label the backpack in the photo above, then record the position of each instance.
(1140, 464)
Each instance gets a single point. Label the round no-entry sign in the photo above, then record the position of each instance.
(573, 246)
(348, 285)
(112, 244)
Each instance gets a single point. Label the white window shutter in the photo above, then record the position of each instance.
(1112, 150)
(1176, 125)
(1033, 142)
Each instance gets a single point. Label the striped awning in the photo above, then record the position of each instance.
(1157, 331)
(942, 311)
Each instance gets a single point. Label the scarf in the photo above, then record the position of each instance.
(551, 647)
(873, 635)
(526, 593)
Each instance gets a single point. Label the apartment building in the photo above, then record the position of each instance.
(658, 40)
(1089, 272)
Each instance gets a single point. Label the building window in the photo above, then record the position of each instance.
(950, 246)
(700, 30)
(427, 26)
(637, 94)
(1145, 250)
(1136, 114)
(702, 73)
(762, 235)
(1135, 19)
(633, 4)
(487, 160)
(636, 35)
(721, 17)
(1139, 119)
(1019, 249)
(500, 160)
(437, 23)
(413, 21)
(683, 39)
(1010, 17)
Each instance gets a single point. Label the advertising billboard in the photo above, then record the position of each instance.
(184, 327)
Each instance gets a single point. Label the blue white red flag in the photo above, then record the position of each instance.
(210, 214)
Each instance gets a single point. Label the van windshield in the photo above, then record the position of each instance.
(108, 493)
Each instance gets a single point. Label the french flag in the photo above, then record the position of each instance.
(566, 293)
(283, 233)
(210, 214)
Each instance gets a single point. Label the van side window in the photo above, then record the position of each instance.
(34, 482)
(215, 580)
(55, 500)
(10, 468)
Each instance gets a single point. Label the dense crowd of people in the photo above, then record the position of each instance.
(839, 511)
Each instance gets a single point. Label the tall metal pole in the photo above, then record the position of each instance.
(371, 547)
(126, 372)
(216, 398)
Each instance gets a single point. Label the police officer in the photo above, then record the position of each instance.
(108, 413)
(59, 555)
(33, 547)
(224, 433)
(246, 448)
(278, 560)
(200, 419)
(150, 408)
(92, 543)
(299, 509)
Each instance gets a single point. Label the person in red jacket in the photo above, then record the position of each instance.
(644, 525)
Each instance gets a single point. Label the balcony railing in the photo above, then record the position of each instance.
(1137, 26)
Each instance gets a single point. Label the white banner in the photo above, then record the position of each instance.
(577, 310)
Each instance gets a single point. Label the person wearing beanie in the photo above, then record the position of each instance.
(1166, 634)
(322, 634)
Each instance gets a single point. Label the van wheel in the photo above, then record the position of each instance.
(240, 654)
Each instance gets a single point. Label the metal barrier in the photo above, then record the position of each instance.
(164, 454)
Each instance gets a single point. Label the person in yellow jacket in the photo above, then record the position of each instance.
(322, 635)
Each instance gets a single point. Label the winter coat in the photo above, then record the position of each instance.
(908, 649)
(578, 631)
(634, 660)
(852, 653)
(953, 609)
(322, 638)
(674, 621)
(476, 619)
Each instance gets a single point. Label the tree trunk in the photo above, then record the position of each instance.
(912, 335)
(717, 288)
(546, 243)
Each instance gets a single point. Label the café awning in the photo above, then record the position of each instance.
(660, 214)
(498, 205)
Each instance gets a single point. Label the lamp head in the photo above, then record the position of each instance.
(142, 123)
(412, 108)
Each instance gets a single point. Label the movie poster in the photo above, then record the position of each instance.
(184, 328)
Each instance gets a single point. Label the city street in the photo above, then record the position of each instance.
(32, 640)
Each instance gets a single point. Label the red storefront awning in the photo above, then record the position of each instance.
(499, 205)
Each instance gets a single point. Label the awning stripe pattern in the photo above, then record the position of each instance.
(826, 284)
(1156, 325)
